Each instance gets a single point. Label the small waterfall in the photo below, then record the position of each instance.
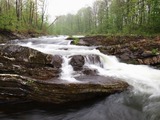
(67, 71)
(94, 60)
(142, 78)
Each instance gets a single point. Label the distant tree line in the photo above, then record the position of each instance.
(112, 16)
(23, 15)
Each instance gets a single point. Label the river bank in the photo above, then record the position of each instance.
(9, 35)
(128, 49)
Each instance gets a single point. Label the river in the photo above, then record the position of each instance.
(139, 102)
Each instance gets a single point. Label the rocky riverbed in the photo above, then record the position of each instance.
(6, 35)
(29, 75)
(129, 49)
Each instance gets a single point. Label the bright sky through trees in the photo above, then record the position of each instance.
(63, 7)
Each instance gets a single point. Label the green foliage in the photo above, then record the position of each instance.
(112, 17)
(22, 16)
(155, 51)
(76, 41)
(8, 22)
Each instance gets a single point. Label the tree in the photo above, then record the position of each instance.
(43, 12)
(115, 16)
(19, 9)
(23, 15)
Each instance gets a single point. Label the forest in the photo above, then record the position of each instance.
(112, 17)
(103, 17)
(23, 15)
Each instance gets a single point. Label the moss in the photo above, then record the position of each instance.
(155, 51)
(133, 61)
(30, 82)
(76, 41)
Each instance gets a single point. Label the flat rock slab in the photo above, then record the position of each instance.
(19, 88)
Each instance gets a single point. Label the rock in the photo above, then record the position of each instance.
(27, 74)
(128, 49)
(125, 54)
(147, 54)
(57, 61)
(93, 59)
(150, 61)
(77, 62)
(20, 88)
(24, 54)
(28, 62)
(83, 43)
(6, 36)
(88, 71)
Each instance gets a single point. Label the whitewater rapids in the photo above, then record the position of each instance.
(143, 78)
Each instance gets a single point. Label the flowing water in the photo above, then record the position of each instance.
(141, 102)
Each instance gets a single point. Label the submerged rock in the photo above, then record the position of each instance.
(27, 74)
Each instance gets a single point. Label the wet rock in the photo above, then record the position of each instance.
(57, 61)
(77, 62)
(19, 88)
(6, 36)
(150, 61)
(83, 43)
(147, 54)
(129, 49)
(27, 74)
(125, 56)
(28, 62)
(93, 59)
(24, 54)
(88, 71)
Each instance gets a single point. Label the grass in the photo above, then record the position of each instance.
(76, 41)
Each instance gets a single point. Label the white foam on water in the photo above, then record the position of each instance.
(67, 71)
(142, 78)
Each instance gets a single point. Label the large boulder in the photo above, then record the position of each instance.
(27, 74)
(28, 62)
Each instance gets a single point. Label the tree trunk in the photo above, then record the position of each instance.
(43, 13)
(18, 10)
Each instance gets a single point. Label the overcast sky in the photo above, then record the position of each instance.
(63, 7)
